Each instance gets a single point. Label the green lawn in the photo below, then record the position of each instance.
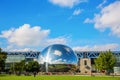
(6, 77)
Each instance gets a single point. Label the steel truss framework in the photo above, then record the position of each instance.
(80, 54)
(30, 54)
(93, 54)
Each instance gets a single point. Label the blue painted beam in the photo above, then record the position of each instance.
(80, 54)
(93, 54)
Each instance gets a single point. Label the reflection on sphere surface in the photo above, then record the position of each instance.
(57, 57)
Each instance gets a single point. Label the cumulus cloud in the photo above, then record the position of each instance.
(77, 12)
(58, 53)
(96, 47)
(108, 18)
(25, 35)
(66, 3)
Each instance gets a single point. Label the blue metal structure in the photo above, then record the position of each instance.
(29, 54)
(92, 54)
(80, 54)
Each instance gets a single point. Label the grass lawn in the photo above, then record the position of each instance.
(7, 77)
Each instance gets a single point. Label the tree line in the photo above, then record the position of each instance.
(25, 68)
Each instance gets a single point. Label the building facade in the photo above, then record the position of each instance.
(86, 61)
(15, 57)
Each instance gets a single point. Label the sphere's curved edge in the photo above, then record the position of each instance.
(57, 54)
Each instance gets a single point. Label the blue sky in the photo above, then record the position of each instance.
(81, 24)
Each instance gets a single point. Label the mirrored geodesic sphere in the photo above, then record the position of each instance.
(57, 57)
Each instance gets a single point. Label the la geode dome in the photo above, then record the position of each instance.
(57, 55)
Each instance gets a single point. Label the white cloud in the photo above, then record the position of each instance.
(96, 47)
(67, 49)
(102, 4)
(66, 3)
(58, 61)
(88, 20)
(23, 50)
(76, 12)
(108, 18)
(58, 40)
(41, 59)
(58, 53)
(26, 35)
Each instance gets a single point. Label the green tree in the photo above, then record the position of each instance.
(3, 56)
(105, 61)
(23, 65)
(18, 67)
(32, 66)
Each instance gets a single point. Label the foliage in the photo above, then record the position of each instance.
(3, 56)
(105, 61)
(32, 66)
(18, 67)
